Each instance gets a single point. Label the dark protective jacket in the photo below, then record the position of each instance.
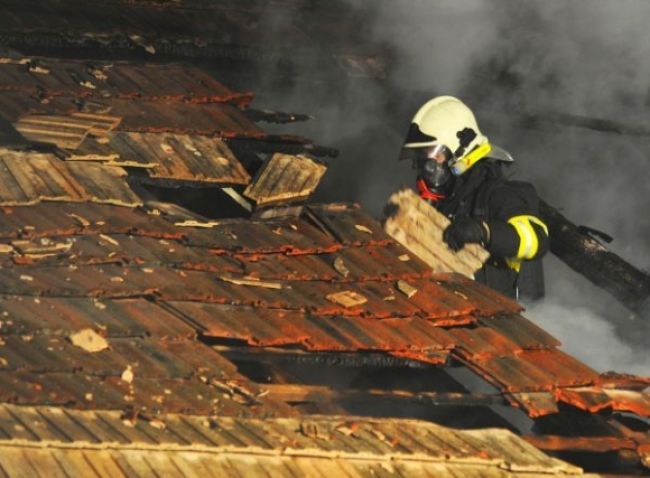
(518, 238)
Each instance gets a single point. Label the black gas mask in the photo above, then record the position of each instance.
(432, 165)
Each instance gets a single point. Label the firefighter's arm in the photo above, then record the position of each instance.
(515, 230)
(518, 238)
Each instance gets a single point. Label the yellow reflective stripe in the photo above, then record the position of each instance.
(537, 221)
(514, 264)
(479, 153)
(528, 241)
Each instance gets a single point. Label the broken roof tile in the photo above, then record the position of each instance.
(58, 77)
(58, 317)
(274, 327)
(27, 178)
(168, 156)
(534, 370)
(285, 178)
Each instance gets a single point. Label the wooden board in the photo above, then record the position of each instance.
(167, 156)
(64, 131)
(29, 177)
(419, 226)
(285, 178)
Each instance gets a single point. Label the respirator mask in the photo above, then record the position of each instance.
(432, 164)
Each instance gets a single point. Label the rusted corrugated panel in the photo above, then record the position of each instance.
(365, 446)
(27, 178)
(168, 156)
(286, 327)
(56, 77)
(31, 316)
(534, 370)
(419, 227)
(285, 178)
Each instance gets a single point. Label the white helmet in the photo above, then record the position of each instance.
(447, 121)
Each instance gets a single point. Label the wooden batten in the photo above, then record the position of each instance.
(419, 226)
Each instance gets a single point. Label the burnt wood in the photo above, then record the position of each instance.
(585, 255)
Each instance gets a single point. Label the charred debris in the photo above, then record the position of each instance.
(171, 299)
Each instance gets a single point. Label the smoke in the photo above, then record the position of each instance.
(507, 58)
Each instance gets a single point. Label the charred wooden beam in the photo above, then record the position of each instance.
(269, 145)
(595, 444)
(278, 117)
(296, 356)
(541, 120)
(629, 285)
(318, 393)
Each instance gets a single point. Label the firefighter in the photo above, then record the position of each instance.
(461, 174)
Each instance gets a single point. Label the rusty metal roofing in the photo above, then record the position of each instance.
(64, 441)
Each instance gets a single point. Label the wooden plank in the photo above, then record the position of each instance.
(285, 178)
(418, 226)
(65, 131)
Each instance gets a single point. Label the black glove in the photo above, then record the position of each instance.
(464, 230)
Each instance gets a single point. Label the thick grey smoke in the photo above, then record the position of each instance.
(507, 58)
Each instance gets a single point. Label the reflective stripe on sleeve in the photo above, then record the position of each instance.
(528, 241)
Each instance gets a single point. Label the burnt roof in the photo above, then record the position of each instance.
(154, 318)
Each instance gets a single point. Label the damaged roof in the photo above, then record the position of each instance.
(121, 317)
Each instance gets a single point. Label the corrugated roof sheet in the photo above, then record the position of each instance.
(64, 441)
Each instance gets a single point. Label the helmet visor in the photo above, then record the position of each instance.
(418, 157)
